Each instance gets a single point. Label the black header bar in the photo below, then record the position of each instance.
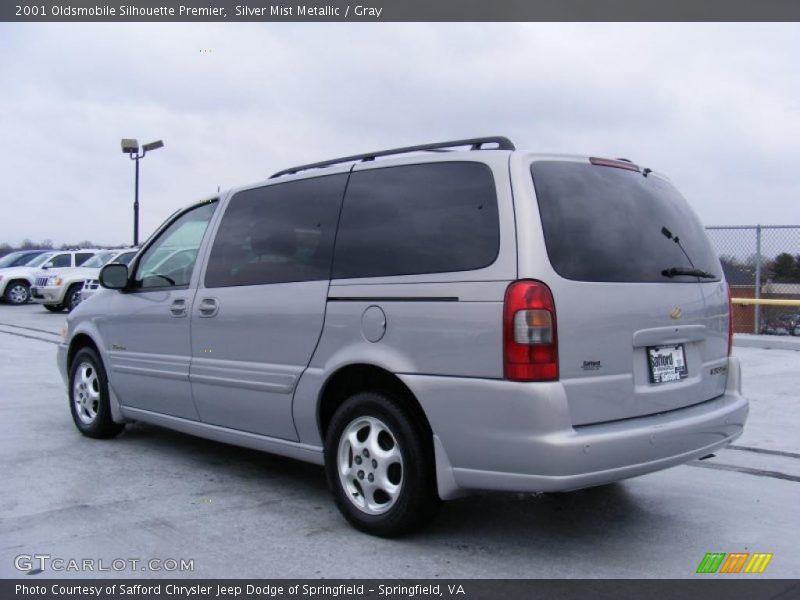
(400, 10)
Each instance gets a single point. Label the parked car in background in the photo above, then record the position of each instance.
(20, 258)
(91, 286)
(424, 325)
(16, 282)
(60, 289)
(777, 328)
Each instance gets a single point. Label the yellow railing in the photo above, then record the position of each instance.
(764, 302)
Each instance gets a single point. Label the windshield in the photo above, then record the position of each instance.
(98, 260)
(40, 260)
(607, 224)
(125, 258)
(9, 260)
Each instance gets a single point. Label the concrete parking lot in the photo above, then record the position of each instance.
(152, 493)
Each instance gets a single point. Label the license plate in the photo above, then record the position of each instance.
(667, 363)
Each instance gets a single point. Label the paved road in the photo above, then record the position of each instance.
(152, 493)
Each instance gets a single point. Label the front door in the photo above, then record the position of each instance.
(258, 315)
(147, 340)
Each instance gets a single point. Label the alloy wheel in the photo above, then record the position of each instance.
(18, 294)
(370, 465)
(86, 393)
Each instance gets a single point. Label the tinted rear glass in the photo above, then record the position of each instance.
(605, 224)
(429, 218)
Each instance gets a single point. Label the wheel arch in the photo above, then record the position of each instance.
(363, 377)
(18, 280)
(77, 343)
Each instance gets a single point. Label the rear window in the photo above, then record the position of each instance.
(605, 224)
(415, 219)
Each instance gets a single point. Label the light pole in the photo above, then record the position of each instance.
(131, 148)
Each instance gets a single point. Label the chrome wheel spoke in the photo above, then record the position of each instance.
(355, 444)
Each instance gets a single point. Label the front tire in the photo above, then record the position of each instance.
(89, 398)
(380, 465)
(17, 292)
(73, 297)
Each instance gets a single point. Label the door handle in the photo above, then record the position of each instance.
(178, 307)
(208, 307)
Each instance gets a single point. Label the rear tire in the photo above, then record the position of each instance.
(380, 465)
(56, 308)
(17, 292)
(88, 396)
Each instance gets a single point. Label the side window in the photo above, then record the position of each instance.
(277, 234)
(429, 218)
(82, 257)
(169, 261)
(61, 260)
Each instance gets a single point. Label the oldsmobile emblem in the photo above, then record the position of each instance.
(676, 313)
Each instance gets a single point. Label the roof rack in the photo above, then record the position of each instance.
(503, 143)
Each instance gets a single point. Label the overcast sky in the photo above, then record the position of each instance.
(715, 107)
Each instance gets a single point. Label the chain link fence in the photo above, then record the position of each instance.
(762, 262)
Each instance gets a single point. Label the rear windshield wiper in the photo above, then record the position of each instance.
(676, 271)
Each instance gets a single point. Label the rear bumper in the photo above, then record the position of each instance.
(502, 435)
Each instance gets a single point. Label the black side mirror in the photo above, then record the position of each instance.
(114, 276)
(47, 265)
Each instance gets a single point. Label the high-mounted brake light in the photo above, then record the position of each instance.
(530, 340)
(730, 322)
(617, 164)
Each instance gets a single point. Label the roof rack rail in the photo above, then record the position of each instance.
(503, 143)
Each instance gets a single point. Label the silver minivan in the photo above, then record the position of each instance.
(424, 321)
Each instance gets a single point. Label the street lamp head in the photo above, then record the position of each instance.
(130, 146)
(153, 146)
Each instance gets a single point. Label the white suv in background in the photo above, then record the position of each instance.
(16, 282)
(91, 285)
(59, 284)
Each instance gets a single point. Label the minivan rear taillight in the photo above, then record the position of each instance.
(730, 322)
(530, 341)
